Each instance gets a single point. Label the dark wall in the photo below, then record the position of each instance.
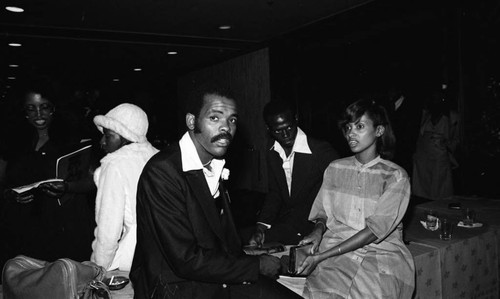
(247, 77)
(413, 48)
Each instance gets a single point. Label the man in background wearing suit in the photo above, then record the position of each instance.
(296, 164)
(187, 244)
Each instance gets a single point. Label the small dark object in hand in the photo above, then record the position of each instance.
(116, 282)
(297, 255)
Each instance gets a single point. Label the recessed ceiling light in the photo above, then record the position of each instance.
(172, 52)
(137, 69)
(14, 9)
(11, 78)
(116, 80)
(224, 27)
(13, 65)
(15, 44)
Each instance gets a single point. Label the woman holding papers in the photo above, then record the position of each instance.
(358, 250)
(124, 140)
(53, 220)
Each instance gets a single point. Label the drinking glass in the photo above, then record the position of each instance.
(469, 217)
(446, 229)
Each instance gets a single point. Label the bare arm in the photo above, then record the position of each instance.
(360, 239)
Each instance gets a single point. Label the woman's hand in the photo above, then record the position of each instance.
(54, 189)
(308, 265)
(20, 198)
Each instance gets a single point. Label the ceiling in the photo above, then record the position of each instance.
(96, 41)
(102, 40)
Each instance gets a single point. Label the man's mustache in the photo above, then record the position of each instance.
(222, 136)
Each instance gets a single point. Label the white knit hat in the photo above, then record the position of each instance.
(128, 120)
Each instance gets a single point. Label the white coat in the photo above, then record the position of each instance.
(116, 180)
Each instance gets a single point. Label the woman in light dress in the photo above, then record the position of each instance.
(358, 250)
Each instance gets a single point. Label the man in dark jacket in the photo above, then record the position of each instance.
(296, 164)
(187, 245)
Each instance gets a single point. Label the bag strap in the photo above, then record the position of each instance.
(96, 289)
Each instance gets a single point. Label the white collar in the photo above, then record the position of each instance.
(189, 155)
(300, 145)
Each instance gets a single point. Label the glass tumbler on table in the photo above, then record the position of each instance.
(446, 229)
(469, 217)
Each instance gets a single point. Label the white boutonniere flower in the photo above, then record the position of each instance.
(225, 174)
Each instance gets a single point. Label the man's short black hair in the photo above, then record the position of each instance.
(196, 99)
(278, 106)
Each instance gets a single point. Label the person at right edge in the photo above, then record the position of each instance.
(187, 244)
(434, 157)
(357, 244)
(296, 163)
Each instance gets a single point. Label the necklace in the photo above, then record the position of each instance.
(206, 164)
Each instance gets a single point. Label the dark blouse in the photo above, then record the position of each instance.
(44, 228)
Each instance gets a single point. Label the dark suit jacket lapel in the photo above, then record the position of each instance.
(277, 168)
(233, 237)
(201, 192)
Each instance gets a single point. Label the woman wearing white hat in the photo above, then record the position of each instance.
(124, 140)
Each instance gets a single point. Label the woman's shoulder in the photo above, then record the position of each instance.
(146, 154)
(454, 116)
(392, 168)
(344, 162)
(138, 149)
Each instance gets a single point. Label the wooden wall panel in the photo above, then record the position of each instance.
(248, 78)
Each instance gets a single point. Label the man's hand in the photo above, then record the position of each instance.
(54, 189)
(314, 237)
(258, 236)
(269, 265)
(257, 239)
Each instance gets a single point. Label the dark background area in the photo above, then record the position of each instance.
(321, 58)
(370, 51)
